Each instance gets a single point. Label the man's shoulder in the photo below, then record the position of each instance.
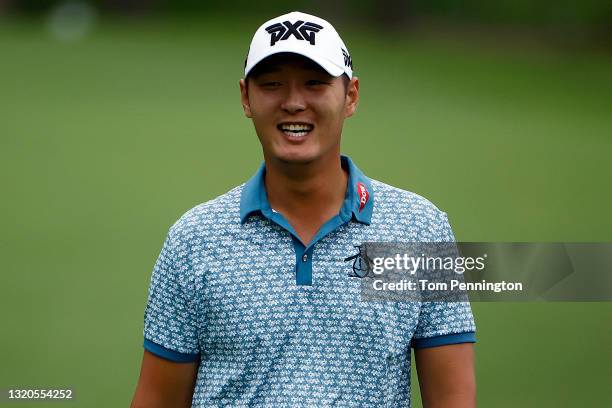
(216, 214)
(397, 199)
(405, 215)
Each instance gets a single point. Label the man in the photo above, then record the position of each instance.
(251, 301)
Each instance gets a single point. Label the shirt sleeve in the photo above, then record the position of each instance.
(444, 322)
(170, 320)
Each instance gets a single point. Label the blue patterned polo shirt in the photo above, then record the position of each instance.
(274, 322)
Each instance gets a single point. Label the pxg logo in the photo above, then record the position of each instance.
(300, 30)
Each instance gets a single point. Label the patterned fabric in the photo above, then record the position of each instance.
(230, 288)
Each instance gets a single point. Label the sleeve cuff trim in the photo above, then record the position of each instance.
(446, 339)
(168, 354)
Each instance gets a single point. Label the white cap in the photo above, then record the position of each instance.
(302, 34)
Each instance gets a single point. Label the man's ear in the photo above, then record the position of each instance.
(352, 97)
(244, 99)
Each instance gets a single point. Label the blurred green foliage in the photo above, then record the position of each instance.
(522, 11)
(594, 12)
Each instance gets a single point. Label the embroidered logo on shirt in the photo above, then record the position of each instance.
(361, 263)
(364, 196)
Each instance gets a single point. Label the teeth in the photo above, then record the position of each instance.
(295, 134)
(296, 128)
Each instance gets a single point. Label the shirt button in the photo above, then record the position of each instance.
(305, 258)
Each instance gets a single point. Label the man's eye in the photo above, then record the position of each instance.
(315, 82)
(270, 84)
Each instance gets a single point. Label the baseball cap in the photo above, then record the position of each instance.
(303, 34)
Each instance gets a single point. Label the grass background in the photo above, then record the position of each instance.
(105, 142)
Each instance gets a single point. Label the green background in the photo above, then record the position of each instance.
(105, 142)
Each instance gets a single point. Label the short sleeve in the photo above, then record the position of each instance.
(442, 323)
(170, 320)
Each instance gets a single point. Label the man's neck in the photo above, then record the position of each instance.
(306, 194)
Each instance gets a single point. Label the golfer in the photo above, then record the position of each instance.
(252, 302)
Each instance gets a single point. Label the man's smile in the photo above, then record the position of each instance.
(295, 129)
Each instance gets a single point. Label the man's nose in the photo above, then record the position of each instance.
(294, 100)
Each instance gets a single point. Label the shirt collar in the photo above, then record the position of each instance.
(358, 201)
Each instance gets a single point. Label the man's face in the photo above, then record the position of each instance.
(298, 109)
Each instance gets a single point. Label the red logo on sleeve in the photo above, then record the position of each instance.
(364, 196)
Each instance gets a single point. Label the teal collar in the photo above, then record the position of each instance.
(358, 201)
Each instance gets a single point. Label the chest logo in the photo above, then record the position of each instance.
(361, 263)
(364, 196)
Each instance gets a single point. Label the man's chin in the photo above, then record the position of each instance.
(301, 155)
(297, 157)
(294, 154)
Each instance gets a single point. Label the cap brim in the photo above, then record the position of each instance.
(324, 63)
